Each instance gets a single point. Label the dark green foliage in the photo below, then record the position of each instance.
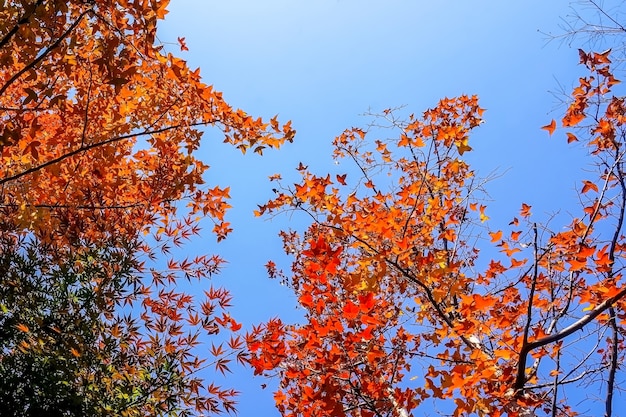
(55, 306)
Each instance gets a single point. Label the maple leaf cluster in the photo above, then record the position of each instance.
(388, 275)
(99, 128)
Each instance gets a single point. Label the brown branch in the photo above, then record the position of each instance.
(22, 21)
(612, 322)
(527, 347)
(566, 381)
(563, 311)
(577, 325)
(612, 19)
(438, 358)
(555, 387)
(431, 298)
(86, 148)
(610, 383)
(522, 360)
(45, 53)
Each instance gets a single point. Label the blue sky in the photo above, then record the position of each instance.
(324, 63)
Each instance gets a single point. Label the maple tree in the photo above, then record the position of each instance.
(99, 128)
(57, 350)
(400, 307)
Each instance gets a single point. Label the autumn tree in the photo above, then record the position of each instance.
(59, 357)
(402, 308)
(99, 128)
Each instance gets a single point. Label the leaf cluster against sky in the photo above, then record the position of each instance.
(323, 64)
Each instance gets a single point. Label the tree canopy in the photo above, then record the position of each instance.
(99, 127)
(394, 284)
(410, 295)
(389, 275)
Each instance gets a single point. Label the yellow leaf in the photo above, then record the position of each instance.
(463, 147)
(483, 216)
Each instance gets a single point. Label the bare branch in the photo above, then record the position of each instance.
(610, 383)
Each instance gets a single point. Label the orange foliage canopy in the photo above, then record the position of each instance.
(98, 131)
(99, 124)
(386, 274)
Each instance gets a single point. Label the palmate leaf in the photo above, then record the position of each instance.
(99, 130)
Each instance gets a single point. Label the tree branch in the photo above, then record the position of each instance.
(22, 21)
(89, 147)
(522, 360)
(610, 383)
(45, 53)
(578, 325)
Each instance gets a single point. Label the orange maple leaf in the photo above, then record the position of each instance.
(550, 127)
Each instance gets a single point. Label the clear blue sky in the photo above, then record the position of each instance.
(323, 63)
